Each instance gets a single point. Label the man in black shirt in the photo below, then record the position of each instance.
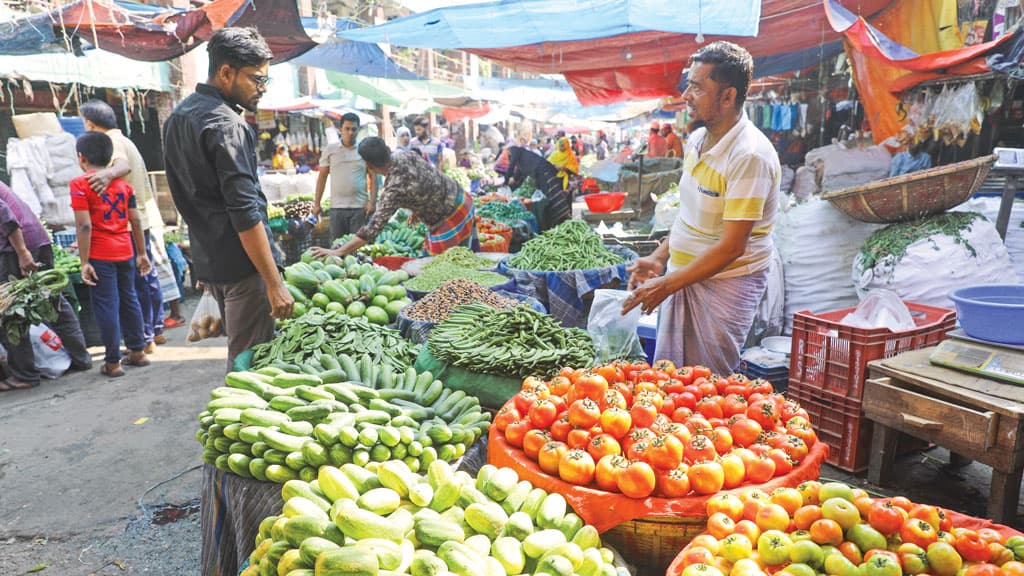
(210, 156)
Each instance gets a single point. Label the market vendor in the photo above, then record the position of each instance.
(710, 275)
(411, 182)
(25, 248)
(522, 164)
(565, 160)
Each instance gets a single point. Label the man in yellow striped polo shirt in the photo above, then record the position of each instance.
(711, 274)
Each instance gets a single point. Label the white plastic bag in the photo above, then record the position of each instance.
(614, 335)
(206, 321)
(52, 361)
(881, 309)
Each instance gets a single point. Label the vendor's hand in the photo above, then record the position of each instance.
(317, 210)
(99, 180)
(643, 269)
(648, 295)
(281, 301)
(89, 275)
(321, 252)
(142, 263)
(369, 207)
(26, 263)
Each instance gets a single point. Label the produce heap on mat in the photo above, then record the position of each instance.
(354, 290)
(571, 245)
(440, 303)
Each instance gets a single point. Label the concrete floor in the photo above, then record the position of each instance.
(86, 488)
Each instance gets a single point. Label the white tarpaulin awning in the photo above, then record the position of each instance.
(97, 68)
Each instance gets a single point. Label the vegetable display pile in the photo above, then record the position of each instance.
(571, 245)
(306, 339)
(396, 239)
(274, 211)
(440, 303)
(832, 528)
(507, 212)
(355, 290)
(388, 520)
(517, 341)
(461, 177)
(462, 257)
(65, 261)
(30, 300)
(276, 425)
(645, 431)
(438, 274)
(298, 209)
(891, 243)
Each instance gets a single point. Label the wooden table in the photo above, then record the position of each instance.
(973, 417)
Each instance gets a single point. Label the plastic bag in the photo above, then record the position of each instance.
(52, 361)
(206, 321)
(881, 309)
(614, 335)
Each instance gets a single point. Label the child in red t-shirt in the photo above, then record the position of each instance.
(105, 248)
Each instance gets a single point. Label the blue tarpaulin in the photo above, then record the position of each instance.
(348, 57)
(523, 22)
(28, 35)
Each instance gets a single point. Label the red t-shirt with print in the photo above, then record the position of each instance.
(111, 238)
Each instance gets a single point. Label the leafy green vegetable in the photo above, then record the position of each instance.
(889, 245)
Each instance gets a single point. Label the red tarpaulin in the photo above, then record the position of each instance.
(608, 70)
(474, 110)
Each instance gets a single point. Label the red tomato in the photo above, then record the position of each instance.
(637, 480)
(607, 471)
(706, 387)
(681, 414)
(795, 447)
(761, 470)
(885, 517)
(686, 399)
(672, 386)
(643, 413)
(612, 399)
(765, 413)
(576, 467)
(591, 385)
(584, 413)
(699, 449)
(603, 445)
(984, 569)
(745, 431)
(516, 431)
(783, 465)
(666, 452)
(559, 386)
(722, 439)
(543, 413)
(701, 372)
(710, 407)
(578, 438)
(926, 512)
(734, 469)
(672, 483)
(734, 404)
(685, 375)
(639, 451)
(610, 373)
(533, 441)
(972, 547)
(560, 428)
(682, 433)
(550, 455)
(523, 400)
(668, 406)
(507, 415)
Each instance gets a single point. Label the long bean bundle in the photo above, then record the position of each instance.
(571, 245)
(515, 341)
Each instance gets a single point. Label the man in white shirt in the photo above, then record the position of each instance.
(353, 195)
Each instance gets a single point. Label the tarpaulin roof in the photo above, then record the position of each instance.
(96, 68)
(143, 32)
(510, 23)
(874, 44)
(395, 92)
(362, 58)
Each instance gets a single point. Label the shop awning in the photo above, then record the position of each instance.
(359, 58)
(97, 68)
(392, 92)
(506, 24)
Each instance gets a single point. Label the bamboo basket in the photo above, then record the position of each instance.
(914, 195)
(652, 543)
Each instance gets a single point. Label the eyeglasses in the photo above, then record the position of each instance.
(260, 80)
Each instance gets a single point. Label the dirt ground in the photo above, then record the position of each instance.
(101, 476)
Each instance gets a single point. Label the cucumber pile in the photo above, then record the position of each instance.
(387, 520)
(347, 287)
(276, 426)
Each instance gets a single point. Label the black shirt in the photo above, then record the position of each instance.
(210, 157)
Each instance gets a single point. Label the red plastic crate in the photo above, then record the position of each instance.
(837, 420)
(830, 356)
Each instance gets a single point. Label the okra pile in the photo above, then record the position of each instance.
(515, 341)
(571, 245)
(440, 303)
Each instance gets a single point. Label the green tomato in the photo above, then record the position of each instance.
(773, 547)
(882, 565)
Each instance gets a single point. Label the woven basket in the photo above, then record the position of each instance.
(914, 195)
(652, 543)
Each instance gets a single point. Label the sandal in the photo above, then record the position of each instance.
(139, 362)
(109, 372)
(174, 322)
(12, 384)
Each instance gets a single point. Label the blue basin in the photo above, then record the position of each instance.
(992, 312)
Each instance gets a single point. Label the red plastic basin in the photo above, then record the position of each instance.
(605, 201)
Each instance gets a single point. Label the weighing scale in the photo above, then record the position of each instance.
(1003, 362)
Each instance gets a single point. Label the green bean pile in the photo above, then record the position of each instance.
(516, 342)
(462, 257)
(438, 274)
(317, 333)
(571, 245)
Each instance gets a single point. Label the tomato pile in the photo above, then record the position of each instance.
(832, 528)
(643, 430)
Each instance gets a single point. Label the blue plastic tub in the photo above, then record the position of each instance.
(992, 312)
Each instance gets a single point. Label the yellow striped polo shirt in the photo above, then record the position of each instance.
(737, 179)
